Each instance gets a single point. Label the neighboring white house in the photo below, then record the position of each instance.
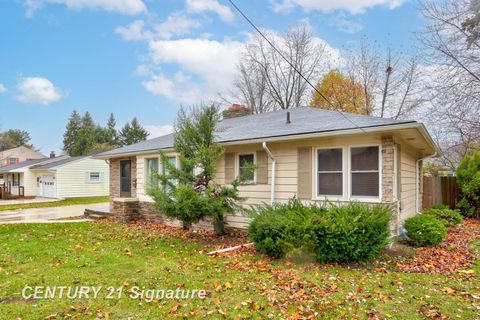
(17, 155)
(61, 177)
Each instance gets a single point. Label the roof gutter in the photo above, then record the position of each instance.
(272, 191)
(410, 125)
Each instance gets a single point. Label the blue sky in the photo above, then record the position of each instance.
(146, 58)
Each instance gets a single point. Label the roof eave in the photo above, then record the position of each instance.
(372, 129)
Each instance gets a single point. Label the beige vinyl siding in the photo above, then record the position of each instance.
(285, 154)
(141, 179)
(407, 182)
(71, 180)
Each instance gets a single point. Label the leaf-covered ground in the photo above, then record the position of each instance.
(240, 285)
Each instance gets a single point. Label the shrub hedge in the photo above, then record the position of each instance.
(425, 230)
(450, 218)
(468, 179)
(334, 233)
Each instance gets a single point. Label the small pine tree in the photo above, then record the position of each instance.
(189, 192)
(132, 133)
(70, 137)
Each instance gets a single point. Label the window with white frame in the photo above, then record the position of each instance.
(245, 167)
(330, 172)
(12, 161)
(365, 171)
(152, 170)
(173, 162)
(93, 177)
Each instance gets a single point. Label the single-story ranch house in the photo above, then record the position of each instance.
(309, 153)
(60, 177)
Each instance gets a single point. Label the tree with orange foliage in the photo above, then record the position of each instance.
(343, 92)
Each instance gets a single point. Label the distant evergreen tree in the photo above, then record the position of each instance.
(111, 135)
(87, 136)
(132, 133)
(70, 137)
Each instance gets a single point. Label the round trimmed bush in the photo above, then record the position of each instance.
(425, 230)
(450, 218)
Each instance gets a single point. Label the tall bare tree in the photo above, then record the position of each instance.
(392, 82)
(455, 81)
(267, 82)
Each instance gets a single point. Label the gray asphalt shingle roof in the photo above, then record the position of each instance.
(20, 165)
(53, 164)
(304, 120)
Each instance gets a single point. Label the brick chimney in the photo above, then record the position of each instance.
(236, 110)
(52, 154)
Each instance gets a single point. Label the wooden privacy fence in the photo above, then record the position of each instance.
(440, 190)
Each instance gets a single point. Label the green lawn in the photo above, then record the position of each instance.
(61, 203)
(247, 286)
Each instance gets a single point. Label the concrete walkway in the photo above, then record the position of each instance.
(50, 215)
(23, 201)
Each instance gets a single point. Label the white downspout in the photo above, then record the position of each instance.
(272, 194)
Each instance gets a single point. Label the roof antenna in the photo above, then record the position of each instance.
(288, 117)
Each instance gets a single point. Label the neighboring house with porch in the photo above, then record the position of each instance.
(60, 177)
(17, 155)
(309, 153)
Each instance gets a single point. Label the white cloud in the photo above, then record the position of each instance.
(134, 31)
(2, 88)
(206, 68)
(345, 24)
(352, 6)
(128, 7)
(158, 131)
(37, 90)
(179, 88)
(176, 24)
(222, 11)
(212, 60)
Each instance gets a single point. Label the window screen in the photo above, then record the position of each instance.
(152, 169)
(245, 165)
(330, 172)
(365, 171)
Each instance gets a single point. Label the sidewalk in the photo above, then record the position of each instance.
(50, 215)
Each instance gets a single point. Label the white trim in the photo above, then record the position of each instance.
(380, 162)
(411, 125)
(237, 166)
(324, 197)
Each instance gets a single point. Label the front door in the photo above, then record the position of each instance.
(125, 178)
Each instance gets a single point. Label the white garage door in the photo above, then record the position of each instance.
(48, 186)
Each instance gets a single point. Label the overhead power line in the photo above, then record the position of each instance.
(290, 63)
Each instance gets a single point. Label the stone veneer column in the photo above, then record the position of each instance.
(114, 182)
(387, 168)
